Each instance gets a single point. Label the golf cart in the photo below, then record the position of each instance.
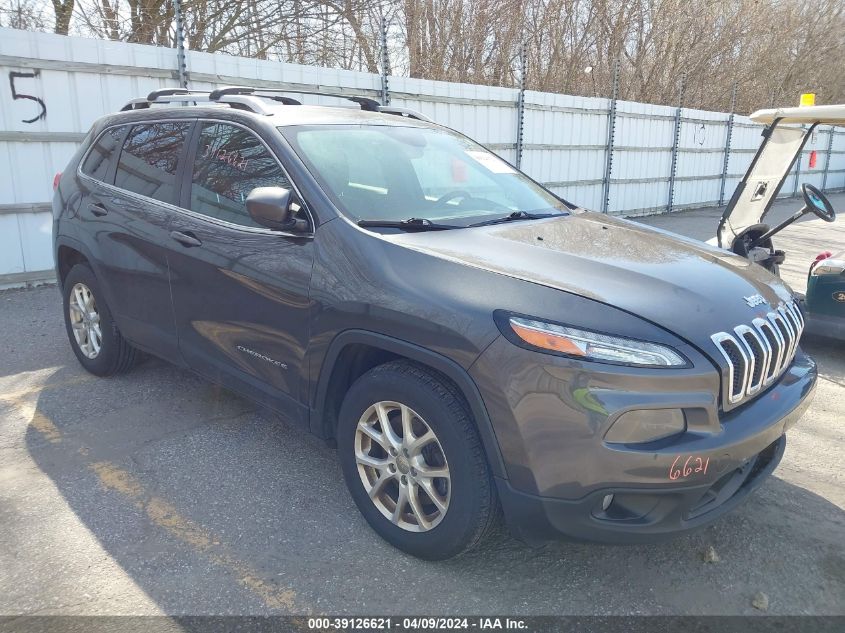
(742, 228)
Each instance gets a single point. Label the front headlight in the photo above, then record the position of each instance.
(593, 345)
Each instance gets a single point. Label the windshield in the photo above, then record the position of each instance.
(760, 186)
(394, 173)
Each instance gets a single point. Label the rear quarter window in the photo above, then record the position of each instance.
(102, 153)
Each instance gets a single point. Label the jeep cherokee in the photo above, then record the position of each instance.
(474, 345)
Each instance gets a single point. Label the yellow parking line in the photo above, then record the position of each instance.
(35, 390)
(37, 420)
(163, 514)
(166, 516)
(45, 426)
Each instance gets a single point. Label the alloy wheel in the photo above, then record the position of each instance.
(85, 320)
(402, 466)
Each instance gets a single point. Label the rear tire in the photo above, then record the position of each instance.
(431, 433)
(93, 335)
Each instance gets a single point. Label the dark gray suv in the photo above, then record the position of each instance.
(473, 344)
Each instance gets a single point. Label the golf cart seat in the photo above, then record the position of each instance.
(761, 251)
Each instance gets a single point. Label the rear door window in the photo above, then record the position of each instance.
(230, 162)
(150, 157)
(100, 158)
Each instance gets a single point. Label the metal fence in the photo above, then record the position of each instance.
(620, 157)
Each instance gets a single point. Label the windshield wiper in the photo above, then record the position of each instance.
(411, 224)
(517, 215)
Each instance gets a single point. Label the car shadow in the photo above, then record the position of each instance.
(214, 506)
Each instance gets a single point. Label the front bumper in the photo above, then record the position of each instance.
(636, 515)
(561, 471)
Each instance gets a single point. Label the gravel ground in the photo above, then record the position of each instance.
(157, 492)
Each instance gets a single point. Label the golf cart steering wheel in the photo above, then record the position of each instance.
(818, 203)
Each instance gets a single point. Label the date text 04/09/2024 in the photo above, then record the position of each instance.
(415, 623)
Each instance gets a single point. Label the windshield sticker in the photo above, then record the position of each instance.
(490, 161)
(459, 170)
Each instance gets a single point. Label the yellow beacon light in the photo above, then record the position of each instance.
(808, 99)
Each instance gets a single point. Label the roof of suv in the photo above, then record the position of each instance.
(285, 115)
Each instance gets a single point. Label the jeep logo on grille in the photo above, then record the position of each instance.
(754, 300)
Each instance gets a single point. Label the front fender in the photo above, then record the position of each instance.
(424, 356)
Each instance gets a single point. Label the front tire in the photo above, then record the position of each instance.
(413, 461)
(93, 335)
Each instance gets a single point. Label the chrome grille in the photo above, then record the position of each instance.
(759, 353)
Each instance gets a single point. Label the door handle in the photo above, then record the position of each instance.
(185, 239)
(97, 209)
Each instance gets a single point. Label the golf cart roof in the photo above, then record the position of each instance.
(824, 114)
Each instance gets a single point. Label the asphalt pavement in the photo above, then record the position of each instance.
(158, 492)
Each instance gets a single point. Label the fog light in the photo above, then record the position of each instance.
(605, 503)
(646, 425)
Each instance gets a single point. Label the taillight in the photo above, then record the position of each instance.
(56, 180)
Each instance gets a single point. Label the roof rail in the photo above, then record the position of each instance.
(405, 112)
(248, 98)
(366, 103)
(166, 95)
(169, 92)
(216, 95)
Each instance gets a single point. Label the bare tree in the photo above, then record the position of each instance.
(772, 49)
(63, 10)
(24, 14)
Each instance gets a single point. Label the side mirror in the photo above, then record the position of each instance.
(274, 208)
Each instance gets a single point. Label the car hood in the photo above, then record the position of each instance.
(682, 285)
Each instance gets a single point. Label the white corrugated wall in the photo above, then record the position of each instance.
(564, 137)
